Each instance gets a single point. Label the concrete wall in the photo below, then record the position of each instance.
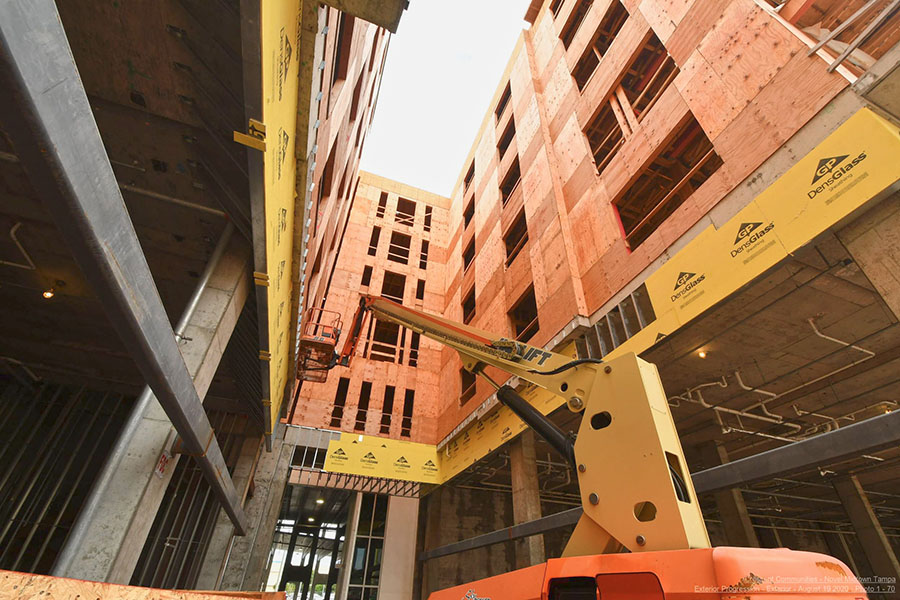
(452, 514)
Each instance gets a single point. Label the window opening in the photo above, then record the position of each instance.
(398, 250)
(362, 408)
(524, 316)
(516, 237)
(684, 164)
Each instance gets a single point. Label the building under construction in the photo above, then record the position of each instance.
(194, 397)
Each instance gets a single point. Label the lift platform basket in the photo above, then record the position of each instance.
(319, 335)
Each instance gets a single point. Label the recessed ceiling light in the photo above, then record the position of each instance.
(702, 354)
(48, 293)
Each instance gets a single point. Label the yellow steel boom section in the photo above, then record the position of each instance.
(635, 487)
(478, 348)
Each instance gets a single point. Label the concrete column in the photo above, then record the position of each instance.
(399, 562)
(870, 241)
(732, 508)
(871, 536)
(212, 569)
(526, 498)
(117, 533)
(453, 514)
(248, 556)
(343, 582)
(431, 537)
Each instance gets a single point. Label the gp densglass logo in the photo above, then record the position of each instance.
(827, 165)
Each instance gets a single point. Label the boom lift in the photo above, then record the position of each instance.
(642, 534)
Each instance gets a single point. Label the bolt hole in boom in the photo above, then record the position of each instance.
(601, 420)
(644, 511)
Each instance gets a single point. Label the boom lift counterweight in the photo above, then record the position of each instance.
(642, 531)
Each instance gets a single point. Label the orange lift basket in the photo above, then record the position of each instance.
(319, 335)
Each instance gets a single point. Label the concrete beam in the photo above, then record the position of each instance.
(213, 567)
(246, 567)
(119, 526)
(526, 498)
(384, 13)
(46, 113)
(871, 536)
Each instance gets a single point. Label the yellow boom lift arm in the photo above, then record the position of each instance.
(633, 479)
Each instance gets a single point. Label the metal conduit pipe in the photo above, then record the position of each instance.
(812, 324)
(22, 366)
(28, 265)
(86, 515)
(171, 199)
(762, 404)
(689, 397)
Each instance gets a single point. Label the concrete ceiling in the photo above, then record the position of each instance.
(764, 333)
(165, 84)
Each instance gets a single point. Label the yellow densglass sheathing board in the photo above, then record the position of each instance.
(383, 457)
(850, 167)
(280, 27)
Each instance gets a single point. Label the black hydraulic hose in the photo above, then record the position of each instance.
(569, 365)
(543, 426)
(681, 491)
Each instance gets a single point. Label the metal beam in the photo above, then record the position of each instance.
(507, 534)
(45, 111)
(847, 442)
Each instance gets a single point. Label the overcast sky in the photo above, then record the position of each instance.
(443, 65)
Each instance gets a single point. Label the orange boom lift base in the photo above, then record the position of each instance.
(642, 534)
(702, 574)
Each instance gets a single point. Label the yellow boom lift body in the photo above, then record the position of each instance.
(642, 534)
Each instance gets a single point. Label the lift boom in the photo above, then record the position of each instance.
(635, 488)
(627, 454)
